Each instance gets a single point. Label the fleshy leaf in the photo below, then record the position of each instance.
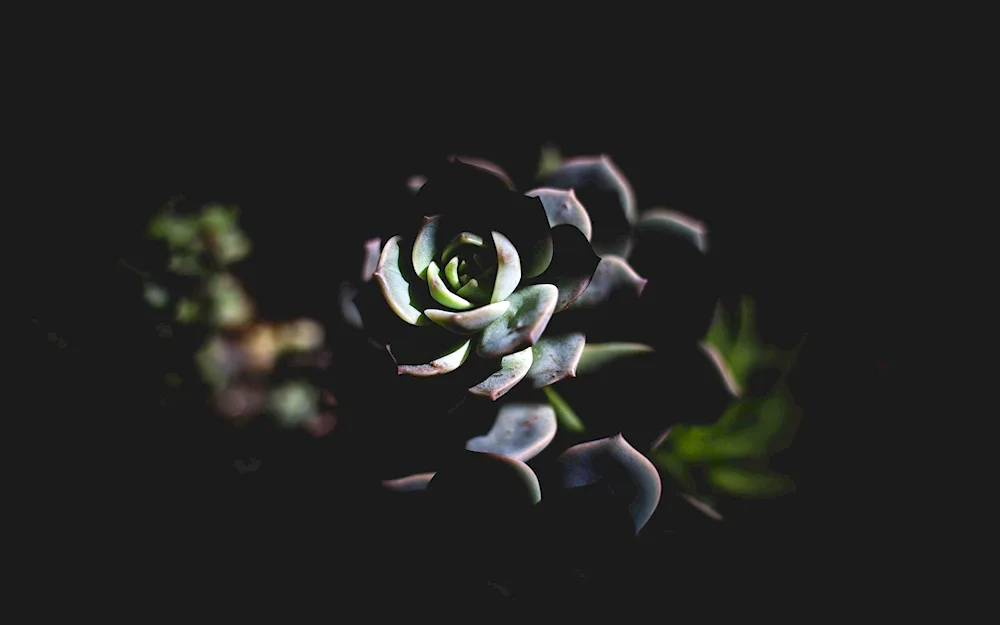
(451, 274)
(528, 227)
(370, 262)
(470, 321)
(564, 413)
(555, 357)
(398, 292)
(445, 364)
(673, 223)
(549, 160)
(492, 480)
(563, 207)
(741, 482)
(521, 431)
(522, 325)
(489, 166)
(508, 274)
(613, 275)
(513, 368)
(596, 356)
(473, 292)
(630, 475)
(440, 292)
(425, 245)
(463, 238)
(606, 195)
(573, 265)
(410, 483)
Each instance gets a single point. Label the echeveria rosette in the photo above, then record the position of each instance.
(480, 279)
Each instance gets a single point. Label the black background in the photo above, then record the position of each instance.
(798, 174)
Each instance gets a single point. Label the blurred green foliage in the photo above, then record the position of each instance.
(239, 354)
(730, 456)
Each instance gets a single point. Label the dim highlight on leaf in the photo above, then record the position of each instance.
(425, 245)
(521, 431)
(398, 292)
(613, 275)
(630, 475)
(746, 483)
(508, 271)
(410, 483)
(676, 224)
(563, 207)
(445, 364)
(597, 356)
(470, 321)
(565, 416)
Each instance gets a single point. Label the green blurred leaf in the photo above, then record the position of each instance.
(550, 160)
(293, 403)
(155, 295)
(564, 414)
(745, 483)
(597, 356)
(187, 310)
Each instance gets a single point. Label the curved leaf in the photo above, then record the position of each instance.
(398, 292)
(513, 368)
(555, 358)
(562, 207)
(508, 272)
(373, 247)
(425, 245)
(462, 238)
(521, 431)
(473, 292)
(521, 326)
(630, 475)
(470, 321)
(440, 292)
(673, 223)
(527, 226)
(451, 274)
(410, 483)
(573, 265)
(613, 276)
(479, 479)
(489, 166)
(606, 195)
(445, 364)
(596, 356)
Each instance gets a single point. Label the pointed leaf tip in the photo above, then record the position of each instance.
(632, 477)
(521, 431)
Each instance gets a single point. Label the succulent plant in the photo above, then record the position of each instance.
(249, 366)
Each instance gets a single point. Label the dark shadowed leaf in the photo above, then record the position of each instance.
(613, 276)
(573, 265)
(629, 475)
(562, 207)
(606, 195)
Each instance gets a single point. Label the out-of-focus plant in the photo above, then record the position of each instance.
(249, 366)
(730, 456)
